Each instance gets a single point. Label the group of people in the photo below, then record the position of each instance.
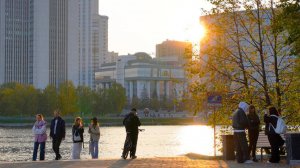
(245, 117)
(58, 134)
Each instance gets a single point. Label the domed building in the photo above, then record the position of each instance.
(143, 76)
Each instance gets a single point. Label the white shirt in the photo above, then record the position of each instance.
(55, 126)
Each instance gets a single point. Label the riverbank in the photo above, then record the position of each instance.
(117, 121)
(170, 162)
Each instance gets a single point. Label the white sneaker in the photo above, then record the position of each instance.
(248, 161)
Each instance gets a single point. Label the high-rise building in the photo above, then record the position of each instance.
(103, 45)
(16, 41)
(63, 35)
(112, 57)
(173, 49)
(88, 56)
(49, 41)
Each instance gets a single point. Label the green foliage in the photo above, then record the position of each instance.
(16, 99)
(290, 19)
(25, 100)
(48, 100)
(85, 100)
(67, 98)
(109, 101)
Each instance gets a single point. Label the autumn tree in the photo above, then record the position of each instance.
(243, 57)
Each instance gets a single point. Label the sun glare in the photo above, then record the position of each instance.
(197, 139)
(195, 33)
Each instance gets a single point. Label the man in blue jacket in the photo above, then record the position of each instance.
(240, 123)
(57, 133)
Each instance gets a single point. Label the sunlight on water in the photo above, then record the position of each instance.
(196, 139)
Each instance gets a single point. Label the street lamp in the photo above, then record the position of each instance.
(174, 90)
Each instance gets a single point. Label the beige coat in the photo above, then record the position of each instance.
(94, 132)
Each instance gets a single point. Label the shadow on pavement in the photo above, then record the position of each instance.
(120, 163)
(202, 157)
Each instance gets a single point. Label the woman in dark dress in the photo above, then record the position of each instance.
(253, 131)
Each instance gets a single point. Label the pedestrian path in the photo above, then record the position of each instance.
(163, 162)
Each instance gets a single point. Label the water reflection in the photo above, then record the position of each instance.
(156, 141)
(197, 139)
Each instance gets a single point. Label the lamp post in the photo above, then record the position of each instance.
(174, 101)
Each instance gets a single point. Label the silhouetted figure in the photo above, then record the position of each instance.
(253, 131)
(275, 139)
(131, 123)
(239, 124)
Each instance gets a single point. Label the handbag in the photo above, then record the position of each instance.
(76, 136)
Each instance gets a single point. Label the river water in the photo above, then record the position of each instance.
(16, 144)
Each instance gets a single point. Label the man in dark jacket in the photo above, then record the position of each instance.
(239, 124)
(131, 123)
(57, 133)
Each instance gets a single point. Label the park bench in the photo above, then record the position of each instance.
(263, 143)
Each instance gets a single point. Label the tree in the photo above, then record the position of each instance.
(145, 100)
(244, 57)
(290, 19)
(18, 100)
(67, 98)
(85, 100)
(117, 96)
(48, 100)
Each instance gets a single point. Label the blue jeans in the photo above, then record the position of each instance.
(42, 150)
(94, 149)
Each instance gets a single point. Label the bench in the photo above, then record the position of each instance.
(263, 143)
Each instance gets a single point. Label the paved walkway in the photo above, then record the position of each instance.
(166, 162)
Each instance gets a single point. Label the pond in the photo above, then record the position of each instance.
(16, 144)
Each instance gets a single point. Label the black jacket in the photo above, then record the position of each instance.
(239, 120)
(254, 122)
(131, 123)
(60, 128)
(270, 119)
(78, 131)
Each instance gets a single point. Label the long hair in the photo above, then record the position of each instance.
(273, 111)
(76, 119)
(41, 116)
(252, 107)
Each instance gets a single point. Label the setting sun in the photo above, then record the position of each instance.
(195, 33)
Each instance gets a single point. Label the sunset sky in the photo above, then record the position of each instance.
(138, 25)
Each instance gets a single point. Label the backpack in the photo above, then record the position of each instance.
(280, 127)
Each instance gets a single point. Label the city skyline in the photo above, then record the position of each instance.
(137, 26)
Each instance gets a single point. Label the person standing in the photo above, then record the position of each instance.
(275, 139)
(253, 131)
(77, 136)
(239, 124)
(57, 133)
(40, 137)
(131, 123)
(94, 132)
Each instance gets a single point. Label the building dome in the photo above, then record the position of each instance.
(142, 55)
